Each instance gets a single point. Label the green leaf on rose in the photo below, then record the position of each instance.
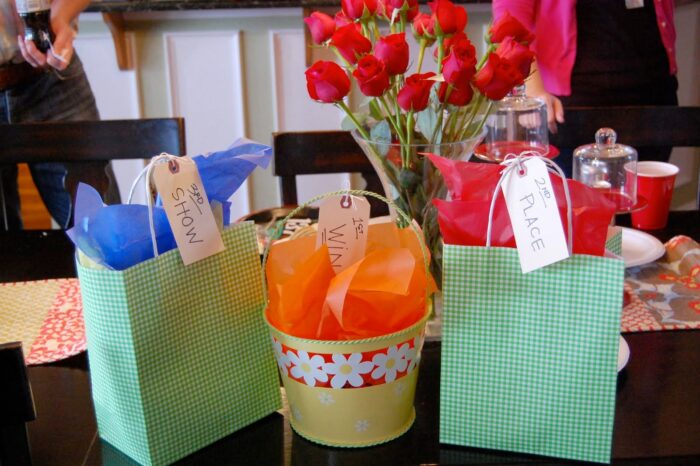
(347, 124)
(381, 134)
(426, 120)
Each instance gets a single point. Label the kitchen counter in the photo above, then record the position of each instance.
(169, 5)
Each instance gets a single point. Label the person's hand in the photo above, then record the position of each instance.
(535, 88)
(61, 53)
(555, 110)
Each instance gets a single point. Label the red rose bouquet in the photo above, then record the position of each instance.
(408, 115)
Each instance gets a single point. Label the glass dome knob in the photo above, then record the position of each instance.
(605, 136)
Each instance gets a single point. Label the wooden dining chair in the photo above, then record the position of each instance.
(636, 126)
(86, 147)
(16, 406)
(321, 152)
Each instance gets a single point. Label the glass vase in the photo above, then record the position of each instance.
(412, 182)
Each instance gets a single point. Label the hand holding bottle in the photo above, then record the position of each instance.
(51, 44)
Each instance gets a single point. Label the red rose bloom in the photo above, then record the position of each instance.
(386, 8)
(415, 92)
(458, 72)
(393, 51)
(517, 54)
(497, 77)
(356, 9)
(350, 43)
(342, 20)
(321, 26)
(460, 45)
(457, 96)
(449, 17)
(327, 81)
(506, 26)
(371, 76)
(424, 28)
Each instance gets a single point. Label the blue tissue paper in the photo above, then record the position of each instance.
(118, 236)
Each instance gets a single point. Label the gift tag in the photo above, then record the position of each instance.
(188, 210)
(342, 226)
(534, 215)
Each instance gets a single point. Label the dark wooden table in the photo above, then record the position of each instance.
(657, 414)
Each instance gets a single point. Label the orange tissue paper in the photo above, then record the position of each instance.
(382, 293)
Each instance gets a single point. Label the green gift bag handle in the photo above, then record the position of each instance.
(515, 163)
(352, 192)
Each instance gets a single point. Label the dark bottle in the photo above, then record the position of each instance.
(36, 15)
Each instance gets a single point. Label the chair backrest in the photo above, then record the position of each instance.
(86, 148)
(636, 126)
(16, 406)
(321, 152)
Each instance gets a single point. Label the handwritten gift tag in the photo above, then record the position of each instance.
(342, 226)
(534, 215)
(188, 210)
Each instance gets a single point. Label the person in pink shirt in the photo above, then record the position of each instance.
(599, 53)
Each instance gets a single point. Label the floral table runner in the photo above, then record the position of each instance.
(46, 316)
(665, 295)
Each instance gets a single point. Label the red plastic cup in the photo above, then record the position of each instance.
(655, 184)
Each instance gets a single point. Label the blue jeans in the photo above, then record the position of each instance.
(52, 96)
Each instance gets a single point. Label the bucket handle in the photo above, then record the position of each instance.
(352, 192)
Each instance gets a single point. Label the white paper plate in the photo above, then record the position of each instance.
(623, 354)
(639, 248)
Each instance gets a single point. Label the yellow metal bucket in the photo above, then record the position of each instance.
(351, 393)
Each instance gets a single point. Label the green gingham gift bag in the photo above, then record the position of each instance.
(529, 360)
(179, 356)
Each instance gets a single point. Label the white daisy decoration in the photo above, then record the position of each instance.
(282, 359)
(413, 354)
(362, 425)
(307, 368)
(326, 398)
(347, 369)
(388, 365)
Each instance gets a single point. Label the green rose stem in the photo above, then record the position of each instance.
(421, 53)
(349, 113)
(438, 121)
(395, 99)
(466, 123)
(377, 34)
(409, 133)
(393, 123)
(387, 169)
(366, 31)
(483, 120)
(452, 124)
(441, 52)
(485, 57)
(347, 64)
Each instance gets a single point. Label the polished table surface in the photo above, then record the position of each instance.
(657, 418)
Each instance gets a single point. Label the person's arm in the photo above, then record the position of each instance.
(535, 87)
(63, 15)
(522, 10)
(525, 12)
